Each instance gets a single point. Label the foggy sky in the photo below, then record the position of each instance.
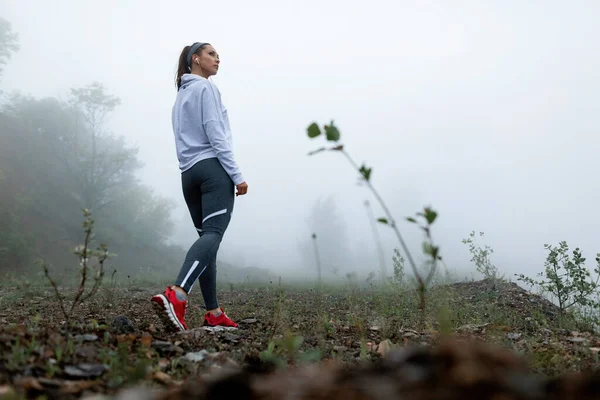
(486, 110)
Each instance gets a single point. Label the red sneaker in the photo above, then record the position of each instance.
(222, 320)
(170, 309)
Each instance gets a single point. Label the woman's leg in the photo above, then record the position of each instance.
(210, 198)
(209, 195)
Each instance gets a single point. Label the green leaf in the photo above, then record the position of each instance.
(313, 130)
(411, 219)
(332, 133)
(430, 215)
(427, 248)
(383, 220)
(365, 172)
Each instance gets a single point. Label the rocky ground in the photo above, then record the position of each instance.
(114, 345)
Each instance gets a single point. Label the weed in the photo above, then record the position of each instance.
(286, 350)
(278, 310)
(481, 257)
(83, 253)
(332, 134)
(398, 261)
(566, 279)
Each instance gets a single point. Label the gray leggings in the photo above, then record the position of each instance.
(209, 193)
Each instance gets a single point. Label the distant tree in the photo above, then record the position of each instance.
(38, 211)
(328, 224)
(13, 241)
(97, 160)
(140, 215)
(9, 43)
(57, 158)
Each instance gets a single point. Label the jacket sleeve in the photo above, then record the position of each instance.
(214, 126)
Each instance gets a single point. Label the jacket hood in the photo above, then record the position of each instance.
(188, 79)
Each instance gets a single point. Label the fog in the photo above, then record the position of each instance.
(486, 111)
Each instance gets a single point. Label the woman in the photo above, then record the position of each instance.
(209, 174)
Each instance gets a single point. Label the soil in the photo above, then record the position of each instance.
(114, 341)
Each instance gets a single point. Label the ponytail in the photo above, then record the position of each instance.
(184, 65)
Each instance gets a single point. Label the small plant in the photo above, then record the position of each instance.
(83, 253)
(278, 309)
(328, 327)
(430, 249)
(332, 134)
(398, 261)
(481, 257)
(567, 279)
(286, 350)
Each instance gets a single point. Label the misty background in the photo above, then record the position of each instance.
(487, 111)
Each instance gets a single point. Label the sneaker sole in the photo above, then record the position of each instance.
(224, 326)
(164, 310)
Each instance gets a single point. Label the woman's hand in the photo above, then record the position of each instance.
(242, 189)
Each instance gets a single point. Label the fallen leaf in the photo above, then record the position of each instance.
(126, 338)
(162, 377)
(146, 340)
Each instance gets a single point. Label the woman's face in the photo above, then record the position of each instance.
(208, 60)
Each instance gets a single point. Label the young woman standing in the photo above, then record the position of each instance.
(209, 177)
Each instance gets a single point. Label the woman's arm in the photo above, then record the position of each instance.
(214, 126)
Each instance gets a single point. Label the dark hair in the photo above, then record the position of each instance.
(183, 66)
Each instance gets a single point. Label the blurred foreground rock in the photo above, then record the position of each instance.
(452, 370)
